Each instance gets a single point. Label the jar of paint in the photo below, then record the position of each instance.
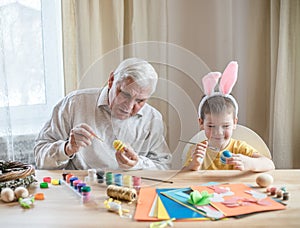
(86, 193)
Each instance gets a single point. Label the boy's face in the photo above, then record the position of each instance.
(218, 128)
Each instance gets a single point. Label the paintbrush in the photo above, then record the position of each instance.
(97, 137)
(187, 142)
(153, 179)
(209, 146)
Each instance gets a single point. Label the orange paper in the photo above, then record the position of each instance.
(239, 191)
(144, 204)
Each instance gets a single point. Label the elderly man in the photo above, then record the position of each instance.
(117, 111)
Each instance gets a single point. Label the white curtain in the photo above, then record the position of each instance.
(99, 33)
(14, 88)
(6, 139)
(30, 79)
(285, 83)
(187, 39)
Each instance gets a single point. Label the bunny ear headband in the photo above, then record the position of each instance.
(227, 81)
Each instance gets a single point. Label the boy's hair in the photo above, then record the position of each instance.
(216, 105)
(218, 100)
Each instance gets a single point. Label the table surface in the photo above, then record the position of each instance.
(63, 208)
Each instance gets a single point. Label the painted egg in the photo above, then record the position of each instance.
(264, 180)
(118, 145)
(225, 154)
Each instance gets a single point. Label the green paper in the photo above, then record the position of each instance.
(199, 199)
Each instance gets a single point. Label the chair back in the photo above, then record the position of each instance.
(241, 133)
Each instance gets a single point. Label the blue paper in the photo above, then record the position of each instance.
(177, 210)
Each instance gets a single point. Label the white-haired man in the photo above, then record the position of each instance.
(117, 111)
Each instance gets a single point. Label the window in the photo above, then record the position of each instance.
(31, 60)
(31, 80)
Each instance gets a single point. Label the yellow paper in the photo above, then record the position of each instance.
(161, 210)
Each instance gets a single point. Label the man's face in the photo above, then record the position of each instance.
(126, 98)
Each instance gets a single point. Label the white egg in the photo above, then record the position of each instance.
(264, 180)
(7, 195)
(21, 192)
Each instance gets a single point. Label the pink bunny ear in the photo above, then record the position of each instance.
(210, 81)
(228, 78)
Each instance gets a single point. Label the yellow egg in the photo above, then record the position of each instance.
(118, 145)
(264, 180)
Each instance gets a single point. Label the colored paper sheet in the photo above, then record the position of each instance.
(240, 192)
(153, 210)
(181, 196)
(177, 210)
(144, 204)
(162, 213)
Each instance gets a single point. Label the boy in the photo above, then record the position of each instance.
(218, 118)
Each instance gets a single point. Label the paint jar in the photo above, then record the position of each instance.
(75, 183)
(80, 185)
(68, 176)
(72, 179)
(118, 179)
(100, 176)
(86, 193)
(127, 181)
(47, 179)
(109, 178)
(64, 175)
(137, 181)
(55, 182)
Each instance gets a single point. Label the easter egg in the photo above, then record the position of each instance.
(118, 145)
(225, 154)
(7, 195)
(264, 180)
(21, 192)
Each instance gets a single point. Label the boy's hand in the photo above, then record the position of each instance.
(198, 156)
(240, 162)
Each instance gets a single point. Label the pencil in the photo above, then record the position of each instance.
(153, 179)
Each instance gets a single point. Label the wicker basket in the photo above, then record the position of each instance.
(14, 174)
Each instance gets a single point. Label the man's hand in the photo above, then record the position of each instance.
(127, 158)
(80, 136)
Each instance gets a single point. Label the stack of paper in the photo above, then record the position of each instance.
(153, 206)
(227, 200)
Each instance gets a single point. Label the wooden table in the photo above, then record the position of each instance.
(62, 207)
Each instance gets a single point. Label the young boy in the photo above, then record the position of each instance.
(218, 118)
